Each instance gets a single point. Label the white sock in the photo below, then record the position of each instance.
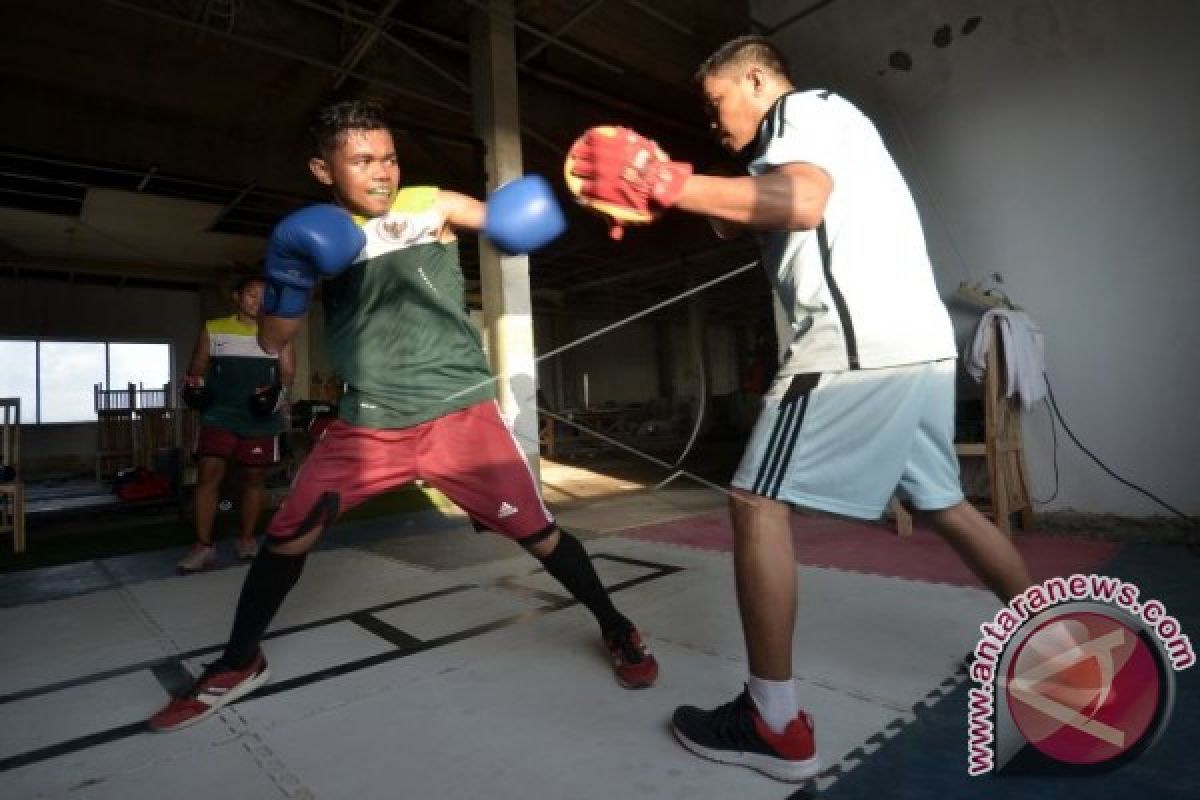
(775, 701)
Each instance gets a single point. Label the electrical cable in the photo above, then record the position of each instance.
(932, 197)
(1054, 454)
(1054, 405)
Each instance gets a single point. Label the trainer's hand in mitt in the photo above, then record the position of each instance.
(623, 175)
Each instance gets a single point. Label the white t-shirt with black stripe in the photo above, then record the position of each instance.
(858, 292)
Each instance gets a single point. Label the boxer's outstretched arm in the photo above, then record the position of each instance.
(275, 335)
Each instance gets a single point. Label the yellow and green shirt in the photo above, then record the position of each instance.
(236, 367)
(397, 327)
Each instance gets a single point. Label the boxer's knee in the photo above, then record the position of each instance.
(301, 537)
(542, 543)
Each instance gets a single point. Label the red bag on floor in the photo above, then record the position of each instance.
(140, 484)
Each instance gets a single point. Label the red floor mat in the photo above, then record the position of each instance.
(875, 548)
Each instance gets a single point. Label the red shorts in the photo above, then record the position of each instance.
(253, 451)
(470, 456)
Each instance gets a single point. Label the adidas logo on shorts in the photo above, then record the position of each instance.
(506, 510)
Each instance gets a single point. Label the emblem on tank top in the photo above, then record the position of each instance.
(405, 229)
(394, 228)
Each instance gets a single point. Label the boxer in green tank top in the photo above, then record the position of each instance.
(420, 400)
(227, 368)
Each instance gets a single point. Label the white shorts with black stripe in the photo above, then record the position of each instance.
(845, 442)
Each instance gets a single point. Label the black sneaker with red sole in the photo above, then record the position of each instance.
(736, 734)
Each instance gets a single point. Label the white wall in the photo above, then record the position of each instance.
(1056, 145)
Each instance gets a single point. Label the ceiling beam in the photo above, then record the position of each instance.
(149, 176)
(654, 13)
(541, 76)
(25, 264)
(284, 52)
(771, 30)
(393, 40)
(231, 205)
(364, 43)
(562, 29)
(533, 30)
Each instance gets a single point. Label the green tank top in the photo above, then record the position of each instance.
(236, 367)
(396, 323)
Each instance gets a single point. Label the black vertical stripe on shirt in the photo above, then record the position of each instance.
(770, 128)
(839, 300)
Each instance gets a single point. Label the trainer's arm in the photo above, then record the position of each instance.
(275, 335)
(791, 197)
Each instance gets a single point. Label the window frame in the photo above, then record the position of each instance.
(35, 420)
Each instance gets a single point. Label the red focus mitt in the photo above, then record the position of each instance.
(623, 175)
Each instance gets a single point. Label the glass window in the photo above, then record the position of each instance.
(18, 375)
(69, 373)
(143, 365)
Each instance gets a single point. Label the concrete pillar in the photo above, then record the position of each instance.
(507, 306)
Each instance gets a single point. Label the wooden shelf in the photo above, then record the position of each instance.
(1002, 447)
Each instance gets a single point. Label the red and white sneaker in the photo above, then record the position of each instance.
(735, 734)
(246, 549)
(633, 664)
(217, 686)
(200, 557)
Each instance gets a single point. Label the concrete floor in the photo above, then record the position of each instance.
(418, 659)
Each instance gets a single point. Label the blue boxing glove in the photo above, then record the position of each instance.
(523, 216)
(315, 242)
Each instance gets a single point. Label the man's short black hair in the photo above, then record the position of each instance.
(334, 121)
(743, 51)
(246, 280)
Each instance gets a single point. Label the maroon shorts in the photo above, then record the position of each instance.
(253, 451)
(470, 456)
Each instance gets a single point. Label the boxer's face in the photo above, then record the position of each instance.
(249, 299)
(362, 171)
(731, 98)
